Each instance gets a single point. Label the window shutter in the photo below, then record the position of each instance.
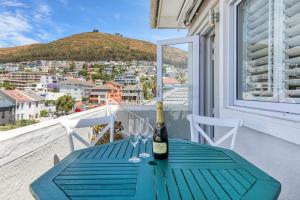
(292, 50)
(258, 72)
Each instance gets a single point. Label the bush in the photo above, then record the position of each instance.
(43, 113)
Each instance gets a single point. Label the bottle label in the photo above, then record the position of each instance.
(159, 147)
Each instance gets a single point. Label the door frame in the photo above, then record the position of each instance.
(195, 41)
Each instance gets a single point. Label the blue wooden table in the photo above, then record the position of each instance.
(193, 171)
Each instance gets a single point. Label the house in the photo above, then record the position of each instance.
(99, 94)
(116, 91)
(132, 94)
(7, 111)
(77, 88)
(244, 63)
(170, 82)
(28, 103)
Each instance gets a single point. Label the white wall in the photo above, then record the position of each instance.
(27, 112)
(271, 141)
(278, 158)
(28, 152)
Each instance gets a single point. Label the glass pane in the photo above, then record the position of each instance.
(177, 87)
(290, 87)
(255, 51)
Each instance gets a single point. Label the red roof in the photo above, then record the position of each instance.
(170, 81)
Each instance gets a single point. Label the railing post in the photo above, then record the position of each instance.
(71, 144)
(107, 112)
(112, 129)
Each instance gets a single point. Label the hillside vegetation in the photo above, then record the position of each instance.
(90, 46)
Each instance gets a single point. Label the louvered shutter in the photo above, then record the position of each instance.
(292, 49)
(258, 62)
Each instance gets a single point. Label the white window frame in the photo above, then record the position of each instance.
(195, 41)
(233, 101)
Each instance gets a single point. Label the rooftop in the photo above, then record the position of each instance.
(132, 87)
(16, 95)
(4, 103)
(74, 81)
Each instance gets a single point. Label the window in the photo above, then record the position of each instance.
(36, 104)
(29, 104)
(268, 54)
(3, 114)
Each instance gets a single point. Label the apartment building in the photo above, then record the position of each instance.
(116, 91)
(127, 79)
(132, 94)
(77, 88)
(99, 94)
(21, 80)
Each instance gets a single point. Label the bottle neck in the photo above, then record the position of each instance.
(160, 119)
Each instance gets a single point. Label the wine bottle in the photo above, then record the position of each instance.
(160, 135)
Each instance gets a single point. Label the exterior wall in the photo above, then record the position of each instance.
(115, 93)
(76, 93)
(29, 112)
(268, 140)
(27, 153)
(8, 116)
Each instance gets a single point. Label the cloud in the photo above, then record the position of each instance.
(13, 29)
(42, 12)
(11, 3)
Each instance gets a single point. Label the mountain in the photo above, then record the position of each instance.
(91, 46)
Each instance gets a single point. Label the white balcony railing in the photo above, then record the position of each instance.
(28, 152)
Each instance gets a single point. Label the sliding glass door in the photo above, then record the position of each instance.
(178, 82)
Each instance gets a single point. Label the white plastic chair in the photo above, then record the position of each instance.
(196, 120)
(72, 125)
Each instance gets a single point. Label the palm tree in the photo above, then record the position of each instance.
(65, 104)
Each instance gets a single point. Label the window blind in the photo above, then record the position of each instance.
(292, 49)
(258, 54)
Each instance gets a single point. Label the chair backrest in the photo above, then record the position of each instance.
(196, 121)
(72, 125)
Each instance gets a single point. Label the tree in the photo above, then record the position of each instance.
(43, 113)
(181, 77)
(72, 67)
(65, 104)
(83, 72)
(9, 86)
(84, 99)
(149, 87)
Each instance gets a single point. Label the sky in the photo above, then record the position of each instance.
(40, 21)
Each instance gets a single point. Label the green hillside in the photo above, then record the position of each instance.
(90, 46)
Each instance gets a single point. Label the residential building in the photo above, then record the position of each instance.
(51, 96)
(7, 111)
(132, 94)
(21, 80)
(116, 91)
(28, 103)
(99, 94)
(127, 79)
(170, 83)
(98, 82)
(77, 88)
